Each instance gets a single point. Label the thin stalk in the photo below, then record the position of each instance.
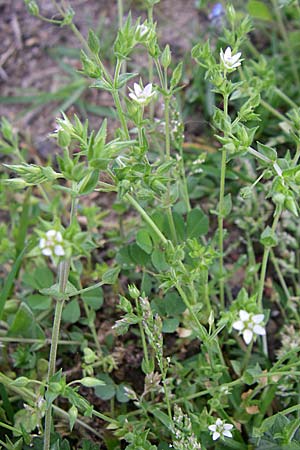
(297, 155)
(168, 157)
(166, 391)
(220, 215)
(201, 333)
(143, 337)
(150, 63)
(274, 111)
(117, 101)
(285, 97)
(82, 40)
(220, 227)
(92, 327)
(63, 278)
(36, 341)
(120, 21)
(247, 356)
(184, 182)
(263, 277)
(146, 217)
(293, 429)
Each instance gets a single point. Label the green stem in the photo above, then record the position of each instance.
(184, 182)
(37, 341)
(142, 333)
(274, 111)
(263, 277)
(284, 97)
(220, 215)
(117, 101)
(201, 330)
(146, 217)
(168, 158)
(63, 278)
(292, 430)
(220, 227)
(150, 63)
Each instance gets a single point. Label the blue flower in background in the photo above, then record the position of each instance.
(217, 14)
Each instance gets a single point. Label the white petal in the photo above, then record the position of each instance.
(244, 315)
(42, 243)
(238, 325)
(247, 335)
(228, 426)
(219, 422)
(58, 250)
(137, 89)
(212, 427)
(47, 251)
(227, 53)
(258, 329)
(227, 433)
(133, 96)
(51, 234)
(236, 57)
(59, 236)
(216, 435)
(148, 90)
(233, 66)
(257, 318)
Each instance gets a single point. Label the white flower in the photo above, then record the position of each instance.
(230, 61)
(140, 95)
(220, 428)
(249, 325)
(142, 31)
(51, 244)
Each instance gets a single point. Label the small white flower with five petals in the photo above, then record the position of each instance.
(52, 244)
(142, 95)
(220, 429)
(249, 325)
(229, 60)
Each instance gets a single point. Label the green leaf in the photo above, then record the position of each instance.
(124, 77)
(227, 205)
(267, 151)
(20, 382)
(121, 394)
(8, 284)
(73, 413)
(170, 325)
(162, 417)
(91, 382)
(158, 260)
(111, 275)
(144, 241)
(88, 183)
(24, 324)
(93, 42)
(138, 256)
(71, 312)
(268, 238)
(93, 298)
(259, 10)
(108, 391)
(197, 223)
(173, 304)
(54, 291)
(38, 302)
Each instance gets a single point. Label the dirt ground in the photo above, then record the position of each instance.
(28, 67)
